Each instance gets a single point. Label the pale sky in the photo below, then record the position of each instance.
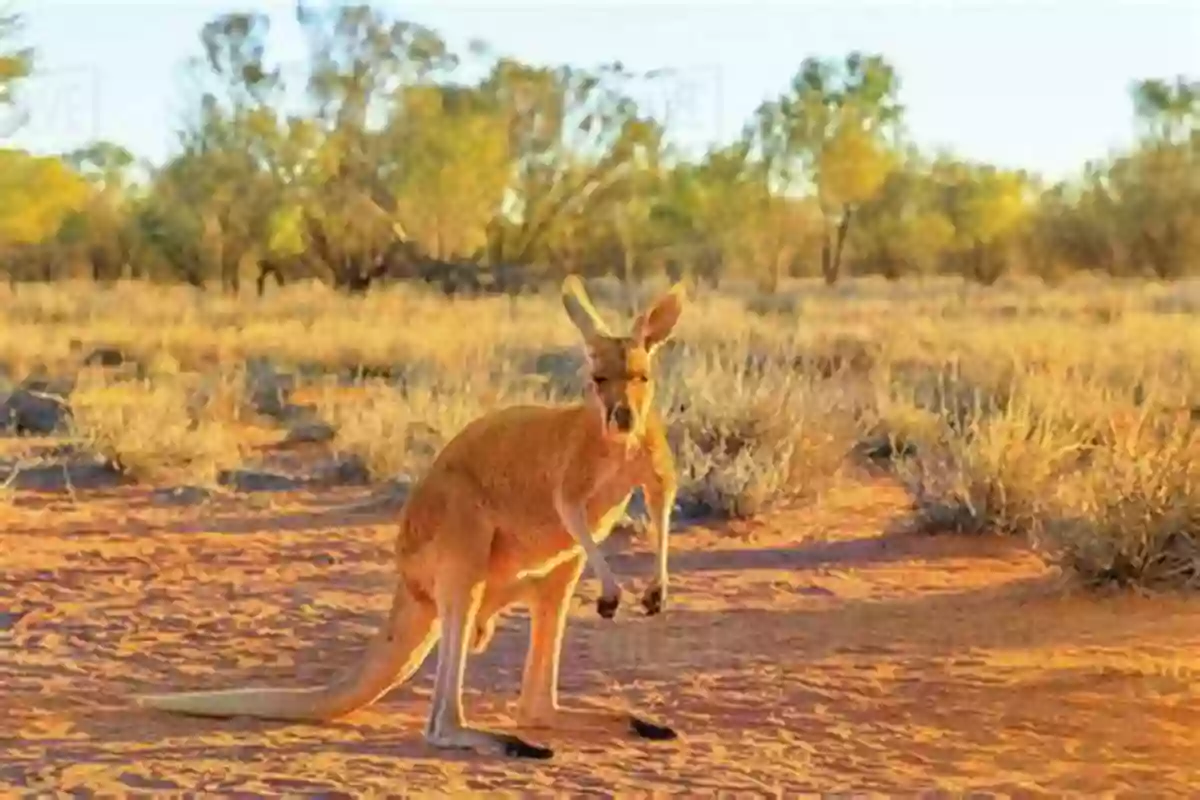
(1044, 85)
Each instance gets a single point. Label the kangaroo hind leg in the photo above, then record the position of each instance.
(460, 592)
(538, 704)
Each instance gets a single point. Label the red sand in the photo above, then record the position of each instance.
(817, 650)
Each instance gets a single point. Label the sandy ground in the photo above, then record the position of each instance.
(818, 650)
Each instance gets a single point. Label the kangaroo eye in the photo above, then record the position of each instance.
(637, 378)
(599, 380)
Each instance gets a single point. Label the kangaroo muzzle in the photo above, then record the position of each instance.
(621, 418)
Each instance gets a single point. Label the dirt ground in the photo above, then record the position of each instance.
(818, 650)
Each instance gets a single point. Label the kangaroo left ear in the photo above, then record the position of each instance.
(582, 313)
(656, 324)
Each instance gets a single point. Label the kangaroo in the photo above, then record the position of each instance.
(509, 512)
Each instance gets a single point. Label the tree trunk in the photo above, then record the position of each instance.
(985, 267)
(776, 279)
(268, 269)
(831, 254)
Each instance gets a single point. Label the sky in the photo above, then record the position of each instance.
(1040, 85)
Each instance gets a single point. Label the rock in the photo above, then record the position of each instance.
(34, 412)
(309, 432)
(248, 480)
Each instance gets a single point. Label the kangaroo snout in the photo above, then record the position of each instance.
(621, 418)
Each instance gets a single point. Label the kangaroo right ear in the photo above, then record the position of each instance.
(580, 309)
(654, 326)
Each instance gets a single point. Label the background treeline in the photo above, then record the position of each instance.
(385, 160)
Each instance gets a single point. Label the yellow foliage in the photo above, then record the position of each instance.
(984, 203)
(457, 166)
(285, 231)
(37, 193)
(997, 205)
(852, 166)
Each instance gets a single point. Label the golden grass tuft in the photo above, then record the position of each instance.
(161, 430)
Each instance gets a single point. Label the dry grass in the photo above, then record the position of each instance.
(1067, 415)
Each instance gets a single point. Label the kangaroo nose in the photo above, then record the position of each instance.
(622, 417)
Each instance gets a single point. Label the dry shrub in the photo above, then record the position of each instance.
(988, 466)
(1132, 517)
(162, 430)
(890, 429)
(377, 428)
(745, 446)
(396, 434)
(835, 355)
(994, 478)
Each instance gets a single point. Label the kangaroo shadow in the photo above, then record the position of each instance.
(659, 655)
(893, 545)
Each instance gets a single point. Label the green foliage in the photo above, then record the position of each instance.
(285, 235)
(903, 229)
(1168, 112)
(832, 133)
(454, 168)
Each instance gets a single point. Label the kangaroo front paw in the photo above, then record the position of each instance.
(654, 600)
(607, 606)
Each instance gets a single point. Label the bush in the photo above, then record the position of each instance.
(159, 430)
(1132, 517)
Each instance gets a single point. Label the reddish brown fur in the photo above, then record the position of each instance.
(509, 512)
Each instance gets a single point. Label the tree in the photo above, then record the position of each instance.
(454, 168)
(101, 228)
(719, 214)
(1167, 112)
(1061, 236)
(986, 206)
(902, 229)
(574, 136)
(832, 133)
(362, 65)
(37, 193)
(1156, 185)
(388, 155)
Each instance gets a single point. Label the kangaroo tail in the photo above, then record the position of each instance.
(393, 655)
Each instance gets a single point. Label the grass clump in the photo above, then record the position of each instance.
(395, 434)
(747, 443)
(991, 464)
(158, 430)
(378, 429)
(993, 477)
(1132, 517)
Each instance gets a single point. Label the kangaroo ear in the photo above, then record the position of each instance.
(580, 309)
(655, 325)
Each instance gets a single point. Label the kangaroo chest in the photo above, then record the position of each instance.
(543, 540)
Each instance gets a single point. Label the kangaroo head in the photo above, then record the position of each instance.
(620, 384)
